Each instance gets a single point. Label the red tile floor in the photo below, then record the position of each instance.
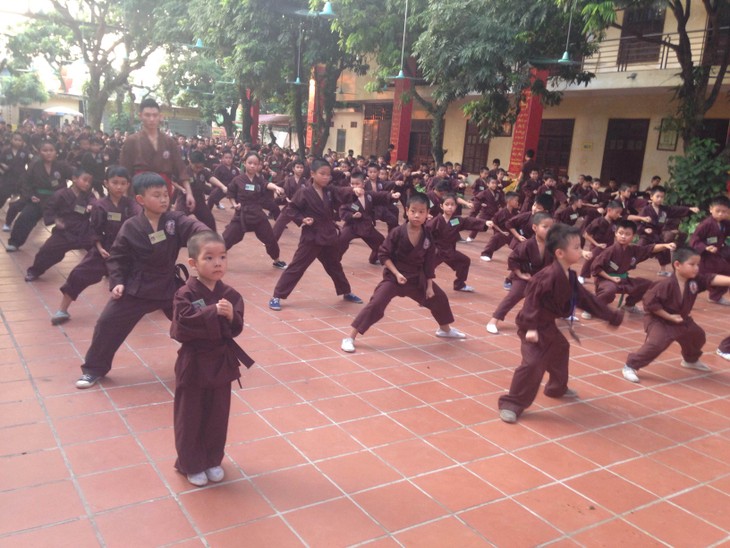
(397, 444)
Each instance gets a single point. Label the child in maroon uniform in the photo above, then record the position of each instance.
(668, 305)
(69, 210)
(313, 209)
(655, 230)
(552, 293)
(526, 260)
(141, 268)
(445, 230)
(207, 316)
(199, 176)
(14, 160)
(359, 217)
(710, 240)
(107, 217)
(409, 258)
(250, 192)
(502, 236)
(486, 204)
(600, 234)
(225, 172)
(611, 268)
(291, 185)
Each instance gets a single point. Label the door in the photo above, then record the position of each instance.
(623, 155)
(553, 148)
(376, 129)
(476, 149)
(419, 146)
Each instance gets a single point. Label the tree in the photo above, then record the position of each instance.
(22, 88)
(701, 76)
(112, 37)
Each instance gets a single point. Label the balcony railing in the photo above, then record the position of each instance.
(629, 53)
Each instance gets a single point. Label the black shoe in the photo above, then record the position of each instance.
(350, 298)
(30, 277)
(87, 381)
(281, 265)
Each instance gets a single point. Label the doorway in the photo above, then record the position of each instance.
(623, 155)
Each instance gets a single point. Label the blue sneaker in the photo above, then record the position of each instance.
(275, 304)
(507, 285)
(350, 298)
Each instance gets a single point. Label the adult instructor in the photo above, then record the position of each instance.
(151, 150)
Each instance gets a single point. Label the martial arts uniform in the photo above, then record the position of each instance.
(602, 231)
(498, 239)
(617, 261)
(207, 363)
(138, 155)
(225, 175)
(198, 182)
(486, 204)
(445, 235)
(551, 294)
(364, 227)
(659, 233)
(711, 233)
(291, 186)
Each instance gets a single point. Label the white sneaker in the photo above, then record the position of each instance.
(6, 228)
(697, 366)
(199, 480)
(572, 319)
(581, 280)
(221, 206)
(348, 344)
(467, 289)
(629, 374)
(508, 416)
(633, 309)
(215, 474)
(469, 240)
(493, 329)
(452, 333)
(586, 315)
(723, 355)
(485, 258)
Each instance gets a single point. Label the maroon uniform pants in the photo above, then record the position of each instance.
(202, 212)
(632, 288)
(305, 255)
(113, 326)
(89, 271)
(281, 223)
(713, 264)
(550, 353)
(659, 335)
(724, 346)
(515, 295)
(53, 251)
(458, 262)
(235, 232)
(373, 239)
(201, 427)
(497, 241)
(387, 290)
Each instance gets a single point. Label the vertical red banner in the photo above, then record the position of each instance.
(526, 131)
(400, 129)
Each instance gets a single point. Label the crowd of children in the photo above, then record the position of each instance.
(133, 224)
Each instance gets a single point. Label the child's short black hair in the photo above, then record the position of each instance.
(448, 196)
(624, 187)
(559, 236)
(588, 179)
(199, 239)
(79, 171)
(373, 165)
(720, 201)
(319, 163)
(511, 195)
(546, 201)
(657, 189)
(197, 157)
(148, 103)
(298, 162)
(613, 204)
(117, 171)
(443, 185)
(147, 179)
(359, 175)
(418, 198)
(539, 217)
(683, 254)
(574, 198)
(625, 223)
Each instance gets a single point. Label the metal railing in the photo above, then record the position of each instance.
(629, 53)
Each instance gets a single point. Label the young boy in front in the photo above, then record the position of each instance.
(141, 267)
(552, 293)
(409, 257)
(207, 316)
(668, 305)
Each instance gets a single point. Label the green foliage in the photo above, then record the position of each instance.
(121, 121)
(22, 89)
(697, 177)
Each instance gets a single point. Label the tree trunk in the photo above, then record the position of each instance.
(299, 119)
(246, 120)
(228, 120)
(437, 134)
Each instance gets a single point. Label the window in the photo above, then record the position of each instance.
(716, 52)
(341, 139)
(476, 149)
(715, 129)
(646, 21)
(553, 148)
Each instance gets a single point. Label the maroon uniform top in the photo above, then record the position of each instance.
(143, 258)
(568, 216)
(13, 165)
(307, 203)
(551, 294)
(487, 203)
(366, 206)
(479, 186)
(710, 232)
(434, 203)
(252, 195)
(416, 263)
(592, 197)
(602, 231)
(558, 196)
(446, 233)
(95, 165)
(72, 210)
(502, 216)
(659, 219)
(139, 155)
(107, 219)
(522, 223)
(526, 258)
(41, 184)
(665, 295)
(617, 260)
(209, 356)
(291, 185)
(226, 174)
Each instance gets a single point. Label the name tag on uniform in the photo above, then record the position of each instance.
(613, 265)
(157, 237)
(548, 192)
(712, 240)
(594, 200)
(355, 207)
(574, 216)
(249, 186)
(110, 216)
(54, 183)
(80, 209)
(430, 204)
(662, 218)
(197, 305)
(454, 222)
